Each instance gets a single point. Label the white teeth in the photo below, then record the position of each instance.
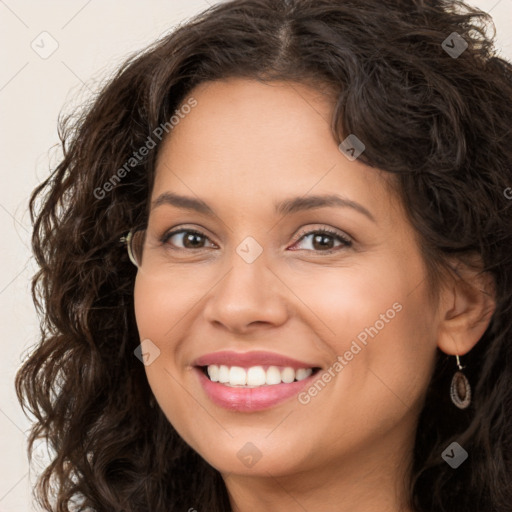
(303, 373)
(288, 375)
(213, 372)
(223, 374)
(256, 376)
(237, 376)
(273, 375)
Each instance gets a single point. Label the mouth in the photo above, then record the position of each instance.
(252, 381)
(256, 376)
(255, 388)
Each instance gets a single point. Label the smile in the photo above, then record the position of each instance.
(255, 376)
(252, 381)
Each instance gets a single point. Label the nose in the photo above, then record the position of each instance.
(247, 296)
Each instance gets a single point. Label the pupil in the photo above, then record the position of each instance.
(321, 239)
(191, 237)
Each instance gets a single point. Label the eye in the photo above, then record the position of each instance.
(321, 240)
(190, 238)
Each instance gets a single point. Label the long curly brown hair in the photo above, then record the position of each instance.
(442, 124)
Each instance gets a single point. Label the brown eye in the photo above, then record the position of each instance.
(323, 240)
(189, 238)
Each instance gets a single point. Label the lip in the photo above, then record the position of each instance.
(250, 399)
(248, 359)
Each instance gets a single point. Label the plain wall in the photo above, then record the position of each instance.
(93, 38)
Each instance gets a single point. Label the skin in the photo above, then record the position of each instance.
(243, 147)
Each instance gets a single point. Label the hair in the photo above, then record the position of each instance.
(440, 125)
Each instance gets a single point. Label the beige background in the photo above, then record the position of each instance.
(93, 37)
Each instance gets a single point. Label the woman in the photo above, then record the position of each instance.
(276, 266)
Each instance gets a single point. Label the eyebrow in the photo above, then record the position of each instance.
(286, 207)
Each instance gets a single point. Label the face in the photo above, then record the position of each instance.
(323, 305)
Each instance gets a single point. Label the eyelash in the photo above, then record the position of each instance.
(346, 242)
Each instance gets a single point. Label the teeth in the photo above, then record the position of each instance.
(288, 375)
(237, 376)
(303, 373)
(256, 375)
(214, 372)
(223, 374)
(273, 376)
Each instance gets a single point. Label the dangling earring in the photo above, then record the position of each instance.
(460, 390)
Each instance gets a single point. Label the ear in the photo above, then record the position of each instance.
(467, 303)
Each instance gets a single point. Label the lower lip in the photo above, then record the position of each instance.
(250, 399)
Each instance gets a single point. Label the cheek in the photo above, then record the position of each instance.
(160, 306)
(158, 311)
(379, 320)
(157, 314)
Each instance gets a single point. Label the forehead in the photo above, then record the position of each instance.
(246, 141)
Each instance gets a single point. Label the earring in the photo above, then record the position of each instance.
(460, 390)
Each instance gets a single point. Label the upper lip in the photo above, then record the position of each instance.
(248, 359)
